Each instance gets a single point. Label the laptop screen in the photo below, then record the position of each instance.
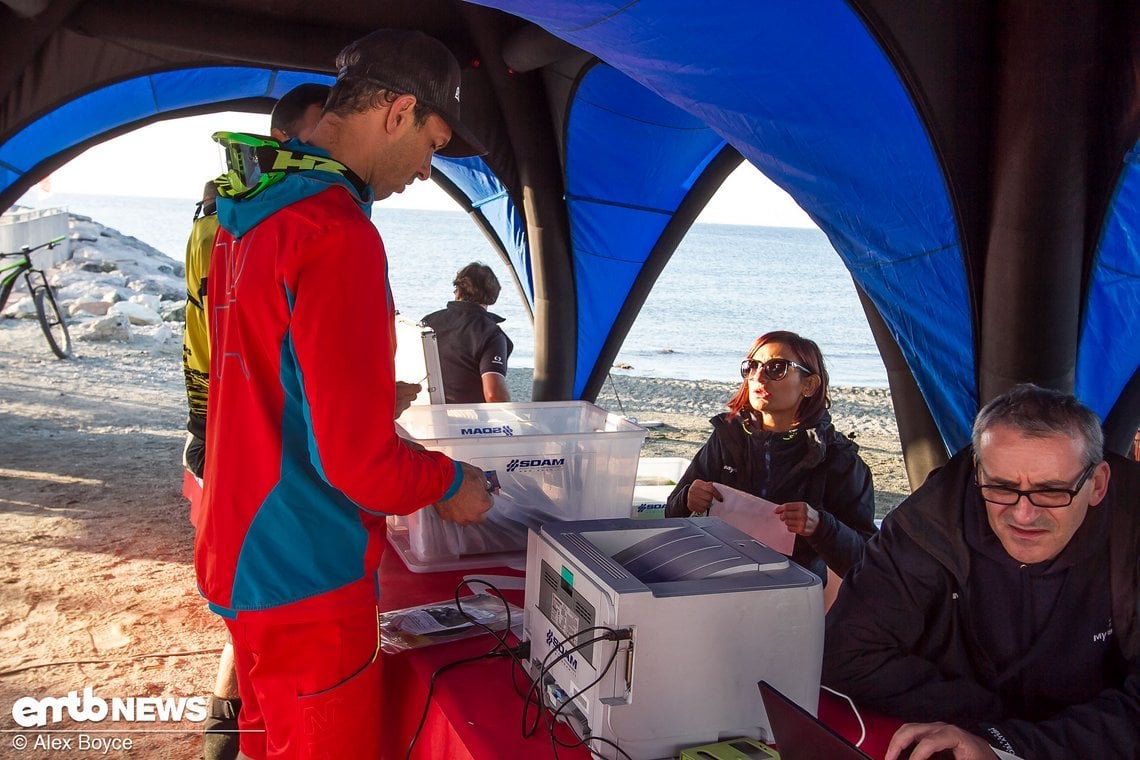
(800, 735)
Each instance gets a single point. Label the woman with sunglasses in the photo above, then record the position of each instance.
(776, 441)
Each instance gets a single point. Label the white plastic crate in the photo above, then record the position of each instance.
(661, 471)
(649, 502)
(553, 460)
(656, 478)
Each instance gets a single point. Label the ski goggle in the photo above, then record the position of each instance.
(245, 175)
(773, 369)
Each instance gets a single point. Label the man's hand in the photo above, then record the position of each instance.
(470, 503)
(405, 394)
(701, 495)
(929, 738)
(798, 517)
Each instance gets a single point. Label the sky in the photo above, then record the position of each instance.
(746, 197)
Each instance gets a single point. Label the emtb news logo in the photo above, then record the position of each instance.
(30, 712)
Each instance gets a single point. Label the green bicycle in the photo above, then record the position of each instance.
(43, 297)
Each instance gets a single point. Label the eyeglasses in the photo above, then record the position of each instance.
(1045, 498)
(773, 369)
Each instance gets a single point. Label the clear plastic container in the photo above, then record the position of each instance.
(552, 460)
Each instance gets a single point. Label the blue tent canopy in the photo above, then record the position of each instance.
(992, 242)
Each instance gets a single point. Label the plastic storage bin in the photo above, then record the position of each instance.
(656, 478)
(553, 460)
(661, 471)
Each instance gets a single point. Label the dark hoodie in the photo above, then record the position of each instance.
(939, 624)
(816, 465)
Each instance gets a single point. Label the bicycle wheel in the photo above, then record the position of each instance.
(52, 321)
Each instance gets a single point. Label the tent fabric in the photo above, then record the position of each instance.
(806, 94)
(1106, 363)
(973, 163)
(489, 200)
(87, 118)
(90, 117)
(631, 158)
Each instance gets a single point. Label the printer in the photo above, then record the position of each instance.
(652, 634)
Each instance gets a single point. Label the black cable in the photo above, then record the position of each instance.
(506, 607)
(582, 741)
(537, 685)
(552, 720)
(501, 649)
(570, 699)
(431, 688)
(543, 708)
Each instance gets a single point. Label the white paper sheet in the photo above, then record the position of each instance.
(755, 516)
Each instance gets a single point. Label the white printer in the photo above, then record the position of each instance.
(652, 634)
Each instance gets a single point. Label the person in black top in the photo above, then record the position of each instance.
(776, 441)
(1000, 599)
(473, 349)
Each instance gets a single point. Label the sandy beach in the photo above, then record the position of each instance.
(96, 584)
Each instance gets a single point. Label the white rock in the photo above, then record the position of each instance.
(149, 300)
(98, 308)
(111, 327)
(136, 313)
(20, 307)
(159, 334)
(173, 311)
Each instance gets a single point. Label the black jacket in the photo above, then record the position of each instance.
(1042, 660)
(816, 465)
(470, 343)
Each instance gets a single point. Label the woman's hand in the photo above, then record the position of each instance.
(701, 496)
(798, 517)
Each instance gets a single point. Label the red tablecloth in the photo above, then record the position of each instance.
(475, 712)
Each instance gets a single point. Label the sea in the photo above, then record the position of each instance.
(724, 286)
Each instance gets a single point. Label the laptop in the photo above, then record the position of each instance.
(799, 735)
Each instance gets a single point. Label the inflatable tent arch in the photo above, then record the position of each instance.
(972, 163)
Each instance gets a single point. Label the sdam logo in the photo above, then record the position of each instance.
(506, 430)
(535, 464)
(558, 644)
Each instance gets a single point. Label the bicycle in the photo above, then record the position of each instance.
(43, 297)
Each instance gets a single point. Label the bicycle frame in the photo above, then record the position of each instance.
(9, 273)
(47, 309)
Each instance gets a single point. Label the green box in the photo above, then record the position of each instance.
(733, 749)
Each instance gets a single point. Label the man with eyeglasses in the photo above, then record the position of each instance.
(1000, 599)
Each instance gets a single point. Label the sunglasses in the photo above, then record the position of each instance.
(773, 369)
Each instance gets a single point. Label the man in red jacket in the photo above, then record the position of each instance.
(303, 457)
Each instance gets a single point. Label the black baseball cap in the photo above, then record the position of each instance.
(413, 63)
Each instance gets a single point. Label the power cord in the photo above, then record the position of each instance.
(520, 653)
(539, 683)
(496, 652)
(501, 649)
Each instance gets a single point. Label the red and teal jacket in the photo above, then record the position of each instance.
(302, 458)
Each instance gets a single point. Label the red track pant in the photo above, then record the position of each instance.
(310, 690)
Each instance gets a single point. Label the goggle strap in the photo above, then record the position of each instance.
(255, 163)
